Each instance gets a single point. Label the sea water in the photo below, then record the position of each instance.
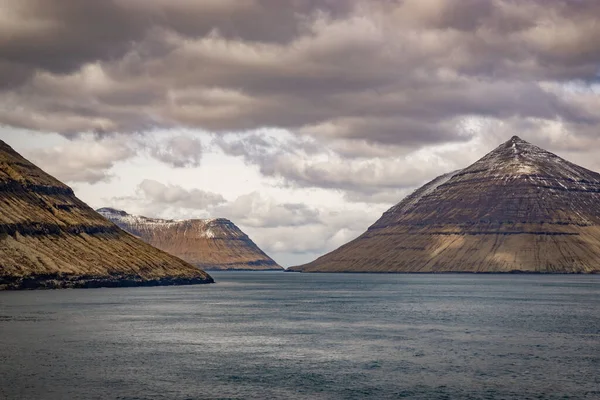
(263, 335)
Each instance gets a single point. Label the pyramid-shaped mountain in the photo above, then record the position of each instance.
(51, 239)
(518, 209)
(210, 244)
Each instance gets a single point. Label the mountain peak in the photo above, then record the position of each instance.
(517, 142)
(519, 158)
(519, 208)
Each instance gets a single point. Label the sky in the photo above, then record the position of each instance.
(301, 121)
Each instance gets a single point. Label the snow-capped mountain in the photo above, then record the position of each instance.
(213, 244)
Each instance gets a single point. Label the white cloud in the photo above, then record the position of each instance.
(169, 195)
(179, 151)
(84, 159)
(256, 210)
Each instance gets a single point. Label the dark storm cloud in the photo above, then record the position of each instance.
(406, 73)
(61, 35)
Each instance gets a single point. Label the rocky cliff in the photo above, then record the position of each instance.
(51, 239)
(518, 209)
(211, 244)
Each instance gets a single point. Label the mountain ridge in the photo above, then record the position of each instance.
(211, 244)
(518, 209)
(51, 239)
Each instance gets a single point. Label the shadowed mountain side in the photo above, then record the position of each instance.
(519, 208)
(211, 244)
(51, 239)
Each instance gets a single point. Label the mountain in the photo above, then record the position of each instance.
(212, 244)
(51, 239)
(518, 209)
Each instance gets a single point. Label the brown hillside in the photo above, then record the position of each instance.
(519, 208)
(211, 244)
(50, 239)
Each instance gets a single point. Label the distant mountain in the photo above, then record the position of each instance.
(211, 244)
(518, 209)
(51, 239)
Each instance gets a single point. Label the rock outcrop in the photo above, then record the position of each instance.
(211, 244)
(518, 209)
(51, 239)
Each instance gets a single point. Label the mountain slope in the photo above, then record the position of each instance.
(51, 239)
(212, 244)
(519, 208)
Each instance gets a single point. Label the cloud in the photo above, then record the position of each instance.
(178, 151)
(161, 195)
(90, 158)
(353, 170)
(256, 210)
(334, 228)
(61, 35)
(387, 72)
(86, 159)
(291, 232)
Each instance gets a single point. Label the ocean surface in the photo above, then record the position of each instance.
(274, 335)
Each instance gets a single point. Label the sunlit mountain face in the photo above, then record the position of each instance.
(518, 209)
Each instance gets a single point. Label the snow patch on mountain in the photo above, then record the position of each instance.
(213, 243)
(210, 228)
(412, 199)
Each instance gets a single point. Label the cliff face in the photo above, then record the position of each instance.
(519, 208)
(212, 244)
(51, 239)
